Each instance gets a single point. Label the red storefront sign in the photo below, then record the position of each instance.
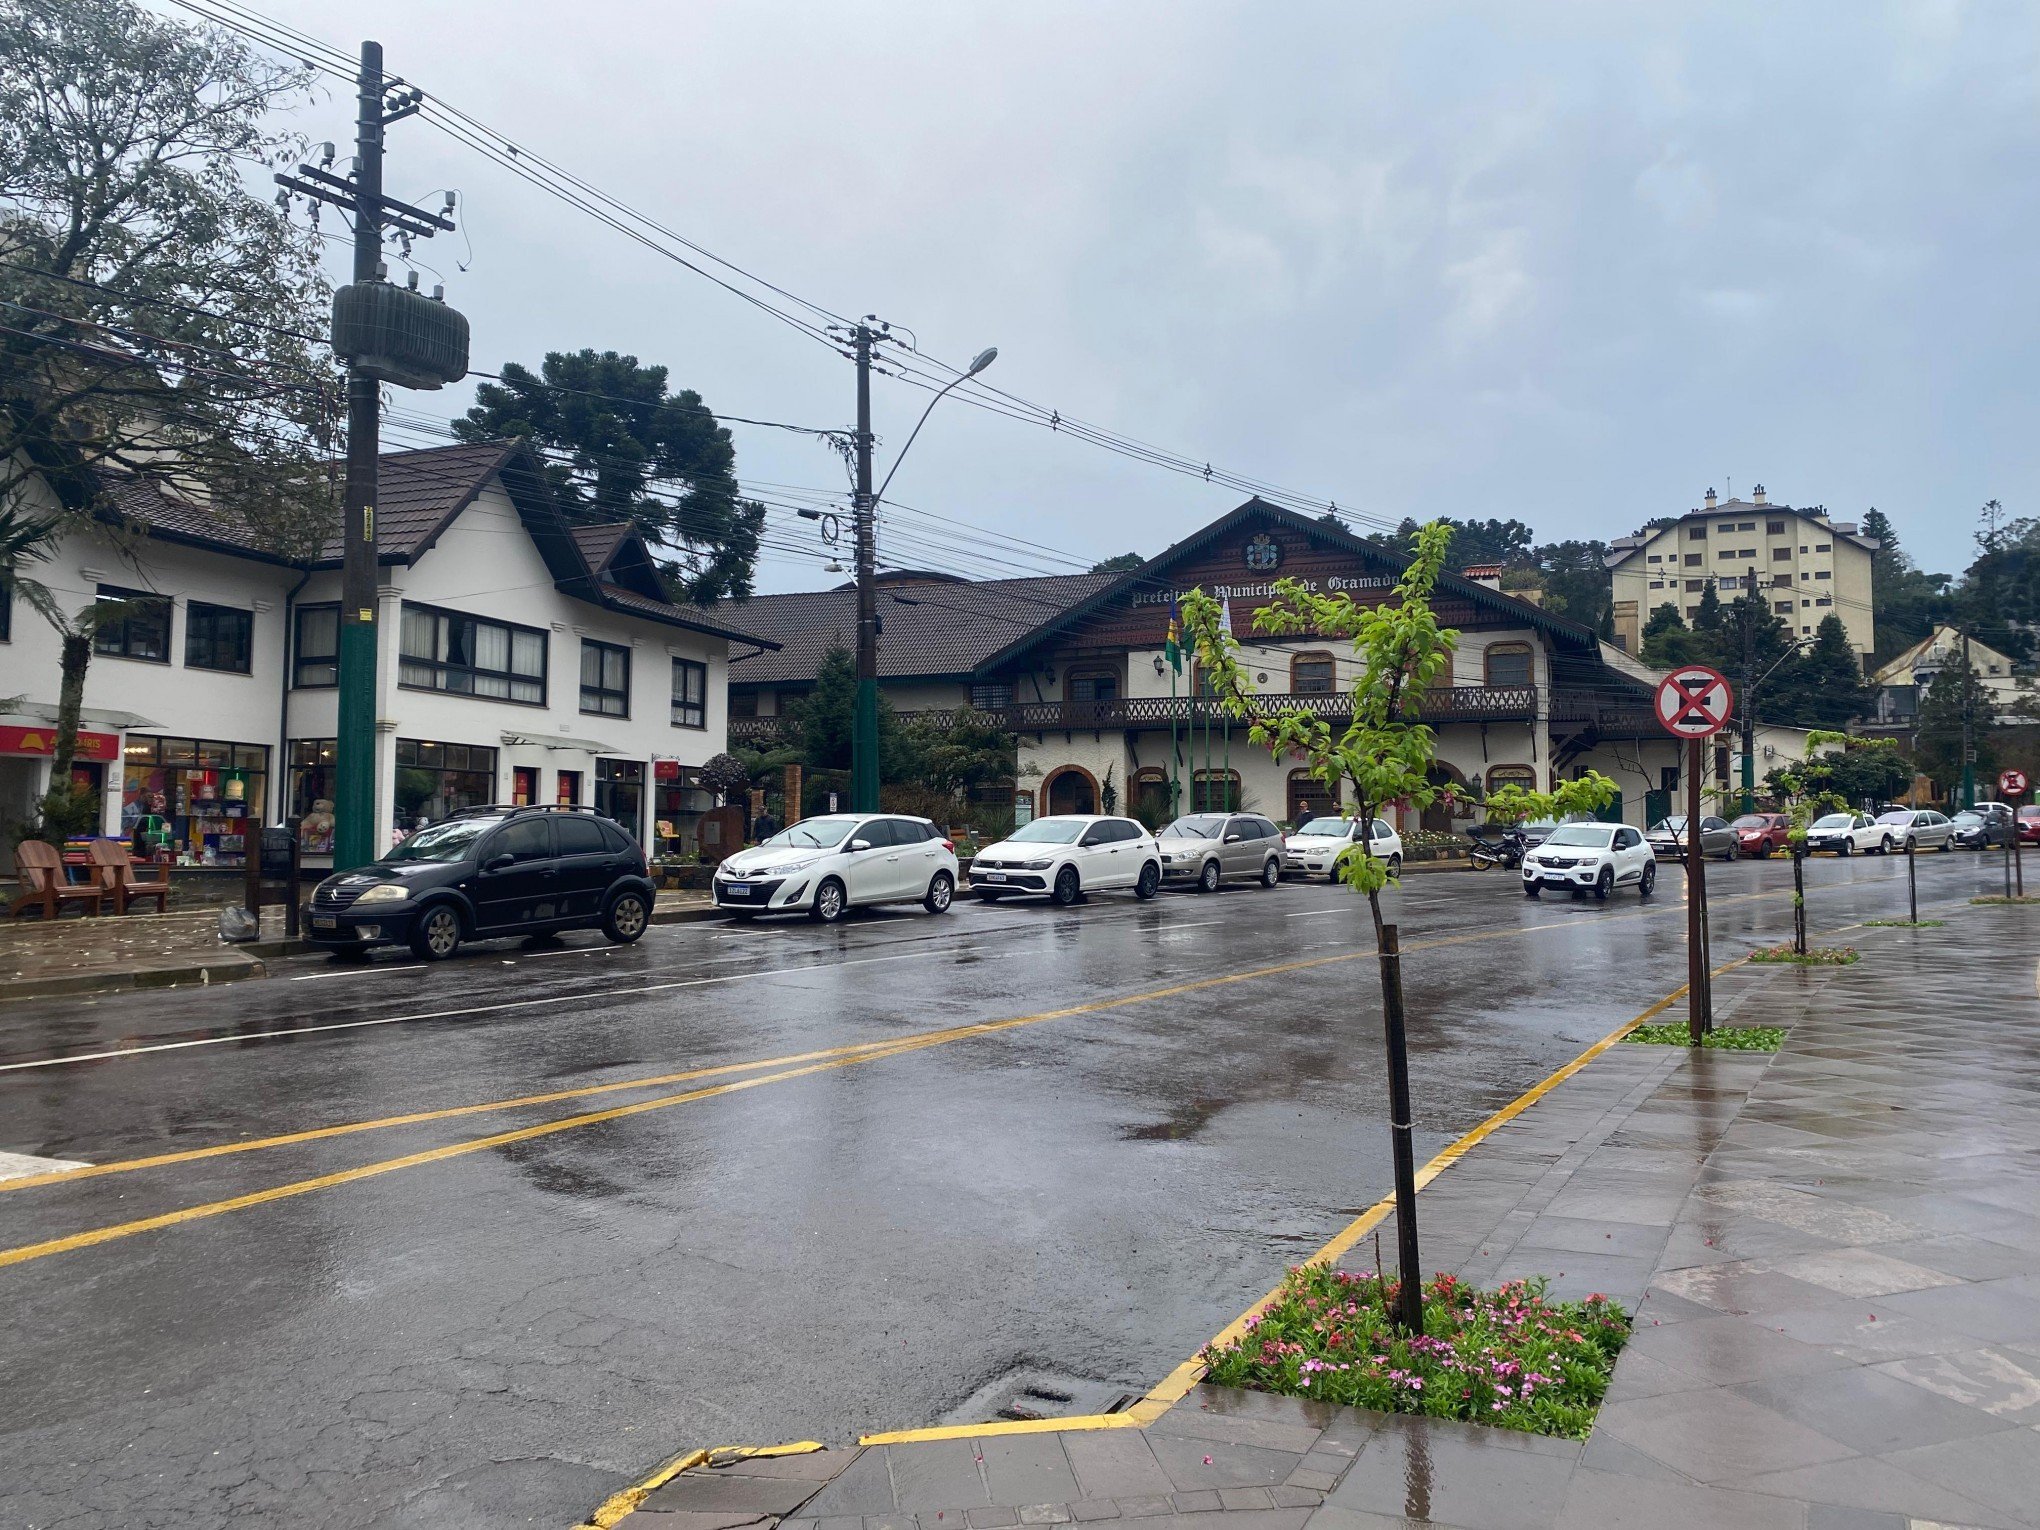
(91, 746)
(665, 770)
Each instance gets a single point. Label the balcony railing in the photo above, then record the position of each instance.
(1459, 703)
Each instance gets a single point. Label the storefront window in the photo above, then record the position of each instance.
(436, 780)
(312, 793)
(620, 794)
(678, 801)
(198, 799)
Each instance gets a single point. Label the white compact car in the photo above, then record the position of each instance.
(1067, 855)
(1591, 857)
(1845, 833)
(1322, 846)
(825, 866)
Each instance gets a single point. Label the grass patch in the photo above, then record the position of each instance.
(1814, 956)
(2001, 898)
(1508, 1357)
(1739, 1038)
(1903, 924)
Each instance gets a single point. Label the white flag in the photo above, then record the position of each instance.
(1225, 617)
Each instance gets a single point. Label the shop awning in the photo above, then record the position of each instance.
(88, 717)
(559, 741)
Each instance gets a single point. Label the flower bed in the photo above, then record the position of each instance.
(1736, 1038)
(1812, 956)
(1508, 1357)
(1903, 924)
(2001, 898)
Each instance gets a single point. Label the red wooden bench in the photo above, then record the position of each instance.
(40, 870)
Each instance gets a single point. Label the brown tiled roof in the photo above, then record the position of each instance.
(929, 629)
(598, 543)
(700, 618)
(419, 493)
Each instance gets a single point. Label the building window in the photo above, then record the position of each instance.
(208, 794)
(436, 780)
(1215, 791)
(1091, 685)
(1781, 555)
(1695, 584)
(991, 698)
(138, 628)
(605, 679)
(315, 648)
(620, 795)
(743, 703)
(1657, 584)
(218, 637)
(1697, 533)
(1782, 607)
(1745, 525)
(1781, 581)
(1511, 775)
(1747, 552)
(1692, 612)
(466, 656)
(6, 606)
(1822, 573)
(1693, 560)
(1654, 558)
(1823, 547)
(1729, 582)
(1828, 600)
(1726, 552)
(1507, 663)
(1313, 674)
(312, 788)
(690, 693)
(1775, 528)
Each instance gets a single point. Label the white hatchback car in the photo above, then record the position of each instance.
(1067, 855)
(825, 866)
(1846, 833)
(1324, 845)
(1591, 857)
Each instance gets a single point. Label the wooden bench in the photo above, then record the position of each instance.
(40, 870)
(113, 868)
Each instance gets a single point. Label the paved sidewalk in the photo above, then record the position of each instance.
(1834, 1255)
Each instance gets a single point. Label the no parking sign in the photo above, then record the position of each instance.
(1694, 701)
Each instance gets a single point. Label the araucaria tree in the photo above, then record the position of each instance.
(1382, 755)
(163, 317)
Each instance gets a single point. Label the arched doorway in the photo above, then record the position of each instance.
(1151, 796)
(1306, 791)
(1439, 817)
(1071, 789)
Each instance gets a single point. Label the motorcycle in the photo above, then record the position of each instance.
(1494, 846)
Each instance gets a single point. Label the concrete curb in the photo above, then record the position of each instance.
(697, 915)
(227, 967)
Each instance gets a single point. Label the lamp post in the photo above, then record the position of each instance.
(1749, 714)
(864, 720)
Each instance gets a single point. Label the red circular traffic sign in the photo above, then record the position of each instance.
(2012, 783)
(1694, 701)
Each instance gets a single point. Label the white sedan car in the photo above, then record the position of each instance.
(823, 867)
(1324, 845)
(1591, 857)
(1846, 833)
(1067, 855)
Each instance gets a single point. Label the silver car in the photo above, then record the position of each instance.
(1205, 849)
(1918, 829)
(1668, 837)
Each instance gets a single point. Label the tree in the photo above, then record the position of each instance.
(1955, 692)
(163, 319)
(1576, 581)
(727, 776)
(969, 753)
(1999, 598)
(1823, 687)
(1383, 755)
(1118, 564)
(619, 447)
(1668, 642)
(822, 721)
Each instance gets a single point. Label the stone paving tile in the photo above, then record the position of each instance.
(2006, 1386)
(2001, 1471)
(1584, 1235)
(1194, 1464)
(1027, 1468)
(1455, 1474)
(863, 1487)
(1115, 1463)
(1236, 1429)
(1717, 1436)
(936, 1474)
(706, 1492)
(1607, 1501)
(1727, 1350)
(1989, 1310)
(1872, 1413)
(1868, 1483)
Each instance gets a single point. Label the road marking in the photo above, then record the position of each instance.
(358, 972)
(17, 1167)
(444, 1014)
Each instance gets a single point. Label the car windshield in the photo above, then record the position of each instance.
(1967, 817)
(1582, 834)
(1895, 816)
(1049, 831)
(1835, 821)
(2029, 812)
(811, 834)
(1201, 826)
(1751, 821)
(445, 841)
(1670, 825)
(1328, 828)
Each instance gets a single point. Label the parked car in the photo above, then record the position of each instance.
(1591, 857)
(1847, 833)
(2029, 825)
(1918, 829)
(1324, 845)
(1974, 829)
(1668, 837)
(488, 872)
(1067, 855)
(1205, 849)
(1762, 834)
(824, 867)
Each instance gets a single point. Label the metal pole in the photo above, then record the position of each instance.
(1799, 899)
(1968, 730)
(1912, 886)
(1410, 1298)
(864, 720)
(354, 829)
(1749, 710)
(1699, 1002)
(2011, 840)
(1175, 749)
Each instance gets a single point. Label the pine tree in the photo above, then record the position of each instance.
(1823, 687)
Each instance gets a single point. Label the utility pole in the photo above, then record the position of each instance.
(385, 334)
(864, 719)
(1749, 708)
(1968, 729)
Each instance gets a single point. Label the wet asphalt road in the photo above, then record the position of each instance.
(505, 1334)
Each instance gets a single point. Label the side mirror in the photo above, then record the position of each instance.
(499, 862)
(1232, 839)
(859, 844)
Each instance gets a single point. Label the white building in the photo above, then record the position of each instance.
(522, 660)
(1904, 680)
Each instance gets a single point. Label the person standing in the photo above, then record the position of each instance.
(764, 826)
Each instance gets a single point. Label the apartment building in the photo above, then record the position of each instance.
(1806, 566)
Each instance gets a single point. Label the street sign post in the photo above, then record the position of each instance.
(2012, 786)
(1693, 703)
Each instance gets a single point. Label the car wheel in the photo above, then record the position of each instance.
(1732, 852)
(830, 902)
(1845, 847)
(1885, 848)
(627, 918)
(1604, 884)
(1531, 890)
(436, 935)
(1207, 879)
(1150, 882)
(941, 892)
(1271, 874)
(1395, 865)
(1648, 883)
(1912, 845)
(1068, 888)
(1947, 844)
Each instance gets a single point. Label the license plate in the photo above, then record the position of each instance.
(993, 876)
(739, 889)
(324, 922)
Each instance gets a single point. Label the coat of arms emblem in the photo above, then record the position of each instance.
(1263, 555)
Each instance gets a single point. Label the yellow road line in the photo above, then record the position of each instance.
(620, 1504)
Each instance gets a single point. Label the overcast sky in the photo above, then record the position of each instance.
(1573, 263)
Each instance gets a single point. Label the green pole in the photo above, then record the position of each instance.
(1231, 797)
(1175, 750)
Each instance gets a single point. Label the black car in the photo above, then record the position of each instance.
(488, 872)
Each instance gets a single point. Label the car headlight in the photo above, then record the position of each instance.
(787, 867)
(384, 892)
(1033, 865)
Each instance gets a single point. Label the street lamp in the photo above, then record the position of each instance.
(1749, 720)
(864, 720)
